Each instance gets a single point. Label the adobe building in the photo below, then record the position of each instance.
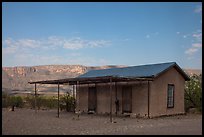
(143, 91)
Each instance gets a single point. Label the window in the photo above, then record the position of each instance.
(170, 96)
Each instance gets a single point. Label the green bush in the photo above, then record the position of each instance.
(51, 102)
(41, 101)
(30, 101)
(19, 101)
(67, 102)
(193, 93)
(4, 100)
(10, 101)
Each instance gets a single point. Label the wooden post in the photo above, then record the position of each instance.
(116, 98)
(58, 102)
(111, 100)
(148, 100)
(35, 100)
(73, 92)
(77, 95)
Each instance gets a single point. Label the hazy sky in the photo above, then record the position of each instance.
(112, 33)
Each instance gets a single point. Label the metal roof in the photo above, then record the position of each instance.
(133, 73)
(142, 71)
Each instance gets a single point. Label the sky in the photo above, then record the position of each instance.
(101, 33)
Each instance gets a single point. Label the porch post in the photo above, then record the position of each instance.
(111, 99)
(35, 99)
(116, 98)
(148, 100)
(73, 91)
(77, 95)
(58, 102)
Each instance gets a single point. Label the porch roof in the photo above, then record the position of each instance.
(89, 80)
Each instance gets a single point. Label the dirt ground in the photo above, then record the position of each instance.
(46, 122)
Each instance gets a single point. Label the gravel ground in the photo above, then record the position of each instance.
(45, 122)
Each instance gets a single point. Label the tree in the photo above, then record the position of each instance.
(193, 93)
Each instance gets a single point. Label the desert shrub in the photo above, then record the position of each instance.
(50, 102)
(9, 101)
(41, 101)
(4, 100)
(30, 101)
(19, 101)
(16, 101)
(69, 102)
(193, 93)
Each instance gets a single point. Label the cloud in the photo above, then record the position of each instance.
(74, 44)
(197, 39)
(185, 36)
(54, 40)
(8, 41)
(9, 50)
(25, 59)
(197, 45)
(152, 34)
(191, 51)
(51, 43)
(22, 43)
(177, 32)
(78, 43)
(28, 43)
(198, 36)
(198, 9)
(48, 51)
(97, 43)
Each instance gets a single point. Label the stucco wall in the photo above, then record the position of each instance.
(139, 97)
(82, 98)
(103, 98)
(140, 100)
(158, 94)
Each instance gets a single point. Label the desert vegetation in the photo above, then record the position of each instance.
(193, 93)
(67, 102)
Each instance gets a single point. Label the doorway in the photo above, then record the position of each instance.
(127, 99)
(92, 99)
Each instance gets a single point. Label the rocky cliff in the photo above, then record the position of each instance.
(15, 79)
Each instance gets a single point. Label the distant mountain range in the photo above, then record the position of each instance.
(15, 79)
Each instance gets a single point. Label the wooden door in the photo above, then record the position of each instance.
(92, 100)
(127, 99)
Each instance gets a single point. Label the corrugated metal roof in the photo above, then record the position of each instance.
(150, 70)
